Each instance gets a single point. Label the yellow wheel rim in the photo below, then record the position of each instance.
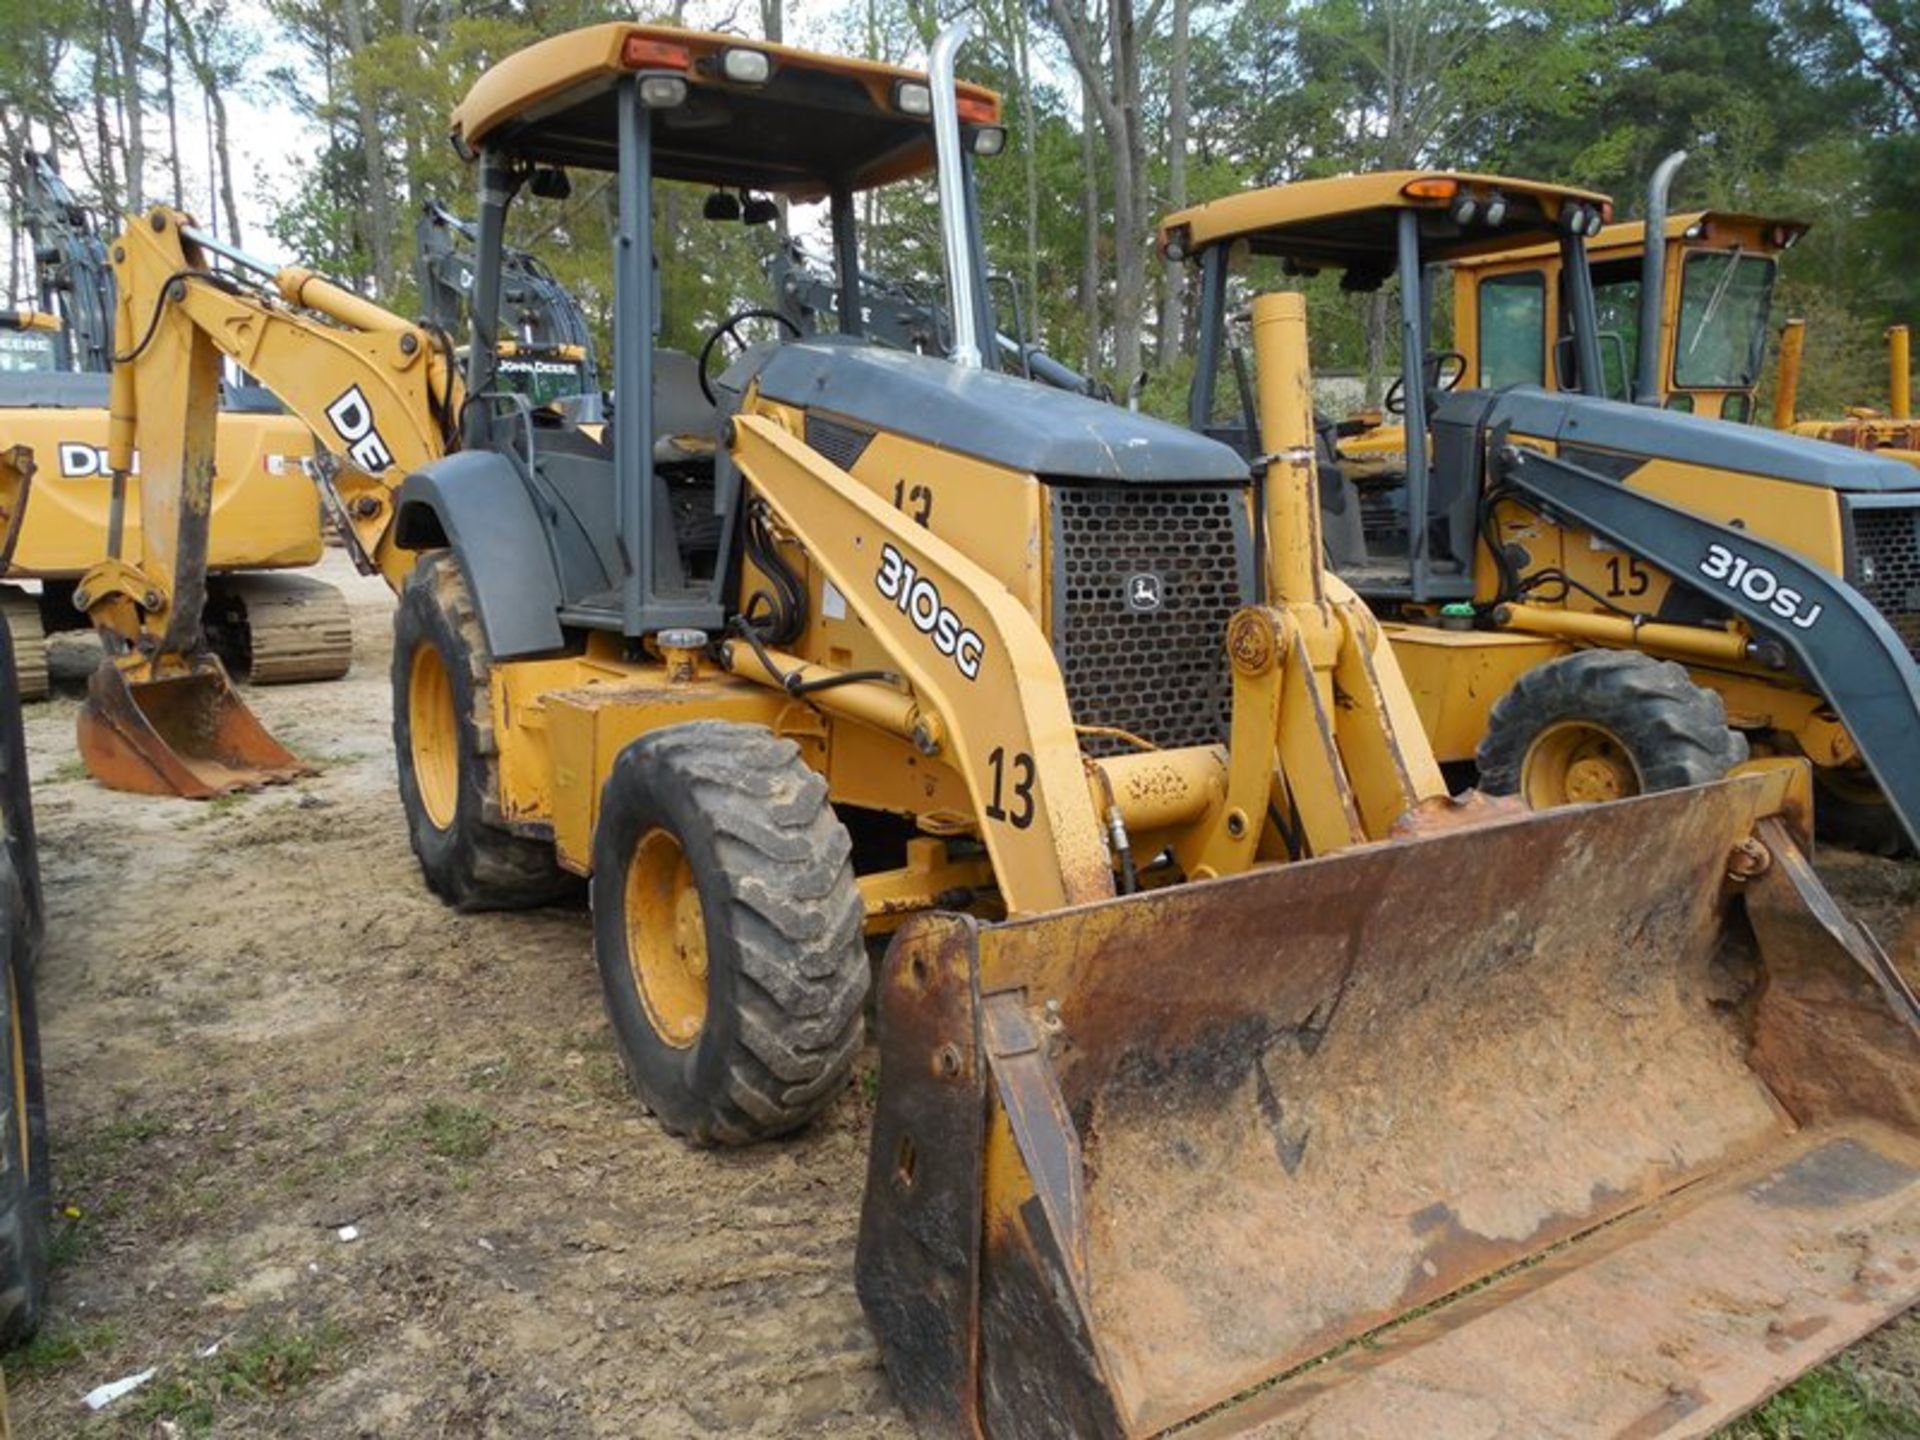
(1577, 763)
(436, 736)
(19, 1055)
(667, 939)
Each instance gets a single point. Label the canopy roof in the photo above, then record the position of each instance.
(1712, 229)
(1350, 221)
(817, 121)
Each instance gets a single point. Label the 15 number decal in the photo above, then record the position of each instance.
(1626, 578)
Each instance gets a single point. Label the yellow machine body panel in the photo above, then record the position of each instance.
(265, 508)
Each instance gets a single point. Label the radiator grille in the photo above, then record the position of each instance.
(1160, 671)
(1886, 566)
(841, 443)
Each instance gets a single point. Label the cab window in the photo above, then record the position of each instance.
(1513, 329)
(1616, 304)
(1723, 320)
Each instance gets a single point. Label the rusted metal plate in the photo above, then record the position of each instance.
(918, 1267)
(1670, 1323)
(1313, 1099)
(188, 735)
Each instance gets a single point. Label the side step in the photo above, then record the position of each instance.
(1671, 1322)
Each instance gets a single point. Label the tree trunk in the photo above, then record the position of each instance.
(372, 151)
(1090, 254)
(1174, 310)
(173, 108)
(1030, 125)
(129, 24)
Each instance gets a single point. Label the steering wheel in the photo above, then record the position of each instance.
(728, 330)
(1438, 361)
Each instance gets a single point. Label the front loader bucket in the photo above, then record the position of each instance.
(1139, 1159)
(188, 735)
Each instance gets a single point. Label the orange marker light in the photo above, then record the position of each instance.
(638, 52)
(975, 111)
(1432, 188)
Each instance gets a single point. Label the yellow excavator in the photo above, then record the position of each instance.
(1213, 1034)
(269, 625)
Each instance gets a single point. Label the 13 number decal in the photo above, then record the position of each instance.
(1020, 816)
(913, 501)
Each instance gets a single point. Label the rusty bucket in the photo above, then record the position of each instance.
(185, 734)
(1600, 1122)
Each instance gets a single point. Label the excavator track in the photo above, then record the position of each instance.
(279, 629)
(22, 613)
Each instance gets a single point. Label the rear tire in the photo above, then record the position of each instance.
(728, 931)
(1602, 725)
(448, 759)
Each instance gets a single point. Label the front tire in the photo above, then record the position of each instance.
(727, 928)
(448, 759)
(1602, 725)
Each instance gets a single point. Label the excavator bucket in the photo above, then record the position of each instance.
(187, 734)
(1601, 1122)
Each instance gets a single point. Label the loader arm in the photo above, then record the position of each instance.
(1844, 645)
(1005, 726)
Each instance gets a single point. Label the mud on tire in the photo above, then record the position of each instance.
(469, 859)
(784, 967)
(1674, 732)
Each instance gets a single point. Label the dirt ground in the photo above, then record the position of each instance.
(260, 1028)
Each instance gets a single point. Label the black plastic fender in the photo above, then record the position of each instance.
(477, 503)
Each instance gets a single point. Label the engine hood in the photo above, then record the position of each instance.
(1002, 419)
(1639, 433)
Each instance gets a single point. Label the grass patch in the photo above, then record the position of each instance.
(67, 771)
(1834, 1402)
(265, 1367)
(454, 1132)
(51, 1352)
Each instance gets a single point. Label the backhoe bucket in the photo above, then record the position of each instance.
(188, 735)
(1627, 1064)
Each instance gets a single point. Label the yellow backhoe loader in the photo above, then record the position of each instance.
(273, 627)
(1213, 1033)
(1592, 598)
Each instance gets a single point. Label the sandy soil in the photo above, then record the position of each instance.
(259, 1028)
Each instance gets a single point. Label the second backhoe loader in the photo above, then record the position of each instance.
(1590, 598)
(1213, 1035)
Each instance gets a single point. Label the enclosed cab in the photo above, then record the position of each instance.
(1721, 268)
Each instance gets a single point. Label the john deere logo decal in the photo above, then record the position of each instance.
(1143, 593)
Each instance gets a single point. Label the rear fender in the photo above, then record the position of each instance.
(476, 504)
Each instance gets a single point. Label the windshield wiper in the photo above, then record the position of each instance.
(1734, 257)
